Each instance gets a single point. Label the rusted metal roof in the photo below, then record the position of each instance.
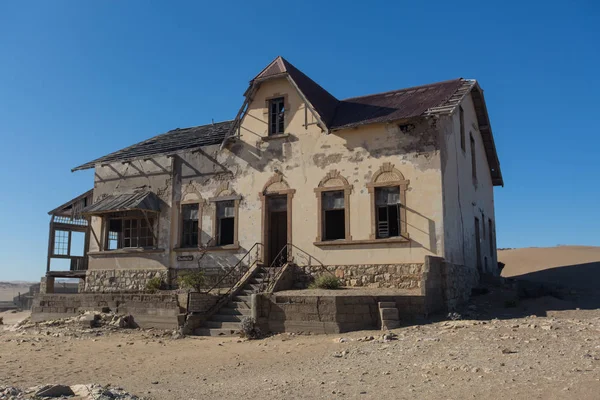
(392, 106)
(143, 200)
(168, 143)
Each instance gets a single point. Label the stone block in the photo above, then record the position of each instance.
(389, 313)
(389, 324)
(387, 304)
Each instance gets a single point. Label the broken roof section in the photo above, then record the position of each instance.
(143, 201)
(172, 142)
(73, 207)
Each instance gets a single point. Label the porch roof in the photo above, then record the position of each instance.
(143, 201)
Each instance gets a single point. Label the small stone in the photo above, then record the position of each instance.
(154, 382)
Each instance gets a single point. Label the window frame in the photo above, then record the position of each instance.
(387, 211)
(333, 182)
(151, 222)
(182, 224)
(389, 176)
(279, 123)
(473, 159)
(214, 242)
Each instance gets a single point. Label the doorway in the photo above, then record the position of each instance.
(277, 228)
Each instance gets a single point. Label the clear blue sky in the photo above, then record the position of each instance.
(81, 79)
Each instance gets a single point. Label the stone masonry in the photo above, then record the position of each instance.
(121, 280)
(398, 276)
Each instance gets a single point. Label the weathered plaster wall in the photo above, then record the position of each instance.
(399, 276)
(124, 178)
(303, 158)
(463, 201)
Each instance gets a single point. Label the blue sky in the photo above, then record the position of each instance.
(81, 79)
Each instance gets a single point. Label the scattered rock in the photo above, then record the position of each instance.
(54, 391)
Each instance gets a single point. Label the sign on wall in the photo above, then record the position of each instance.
(185, 258)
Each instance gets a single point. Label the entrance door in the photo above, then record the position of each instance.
(478, 243)
(277, 227)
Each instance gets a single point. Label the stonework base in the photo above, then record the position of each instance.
(126, 280)
(398, 276)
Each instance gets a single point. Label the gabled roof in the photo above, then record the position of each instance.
(322, 101)
(168, 143)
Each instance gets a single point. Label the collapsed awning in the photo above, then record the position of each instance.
(143, 201)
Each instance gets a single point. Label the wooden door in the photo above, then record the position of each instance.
(277, 235)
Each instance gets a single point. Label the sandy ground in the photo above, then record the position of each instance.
(544, 348)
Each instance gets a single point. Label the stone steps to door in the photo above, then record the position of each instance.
(222, 324)
(216, 332)
(235, 311)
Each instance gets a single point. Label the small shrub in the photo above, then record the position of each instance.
(326, 282)
(155, 284)
(1, 320)
(248, 328)
(192, 280)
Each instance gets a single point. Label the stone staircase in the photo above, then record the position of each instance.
(226, 321)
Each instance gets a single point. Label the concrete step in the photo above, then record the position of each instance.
(235, 311)
(256, 281)
(226, 317)
(240, 305)
(222, 325)
(215, 332)
(243, 298)
(247, 291)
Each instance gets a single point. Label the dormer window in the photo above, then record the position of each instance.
(276, 116)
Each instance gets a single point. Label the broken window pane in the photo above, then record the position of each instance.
(130, 233)
(387, 202)
(225, 222)
(334, 215)
(189, 235)
(276, 116)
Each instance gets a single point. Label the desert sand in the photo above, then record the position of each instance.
(541, 348)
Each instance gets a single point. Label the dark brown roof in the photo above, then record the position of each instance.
(167, 143)
(392, 106)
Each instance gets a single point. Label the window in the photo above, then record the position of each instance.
(334, 215)
(129, 233)
(189, 225)
(473, 161)
(477, 244)
(388, 203)
(462, 128)
(276, 116)
(225, 222)
(490, 233)
(61, 243)
(387, 211)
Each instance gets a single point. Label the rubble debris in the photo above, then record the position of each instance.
(82, 392)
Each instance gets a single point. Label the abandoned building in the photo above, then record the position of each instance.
(392, 192)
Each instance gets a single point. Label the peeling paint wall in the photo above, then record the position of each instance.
(419, 149)
(463, 200)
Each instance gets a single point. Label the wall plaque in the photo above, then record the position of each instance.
(185, 258)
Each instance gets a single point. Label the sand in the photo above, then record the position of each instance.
(543, 348)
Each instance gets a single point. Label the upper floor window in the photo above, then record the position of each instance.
(473, 160)
(276, 116)
(189, 225)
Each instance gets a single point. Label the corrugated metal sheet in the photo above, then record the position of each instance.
(145, 200)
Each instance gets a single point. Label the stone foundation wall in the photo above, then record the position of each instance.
(330, 314)
(159, 310)
(121, 280)
(399, 276)
(445, 285)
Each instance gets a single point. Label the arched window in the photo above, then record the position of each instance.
(388, 203)
(333, 205)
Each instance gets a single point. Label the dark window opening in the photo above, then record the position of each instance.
(462, 128)
(387, 210)
(477, 244)
(276, 116)
(189, 233)
(334, 216)
(129, 233)
(490, 232)
(473, 161)
(225, 222)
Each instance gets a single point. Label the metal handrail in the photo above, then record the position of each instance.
(275, 270)
(256, 246)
